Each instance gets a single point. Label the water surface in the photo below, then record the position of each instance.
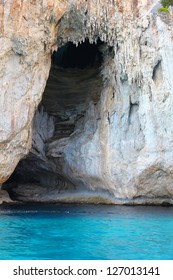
(80, 232)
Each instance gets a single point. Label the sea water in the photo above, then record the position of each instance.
(85, 232)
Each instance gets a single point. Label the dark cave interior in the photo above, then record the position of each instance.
(82, 56)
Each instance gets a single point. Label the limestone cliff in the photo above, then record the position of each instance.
(104, 126)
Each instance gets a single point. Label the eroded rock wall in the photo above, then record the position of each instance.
(123, 144)
(128, 150)
(27, 35)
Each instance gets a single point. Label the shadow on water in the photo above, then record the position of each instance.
(88, 209)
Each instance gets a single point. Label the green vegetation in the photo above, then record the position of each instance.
(167, 3)
(162, 9)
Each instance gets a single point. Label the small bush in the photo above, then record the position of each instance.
(167, 3)
(165, 10)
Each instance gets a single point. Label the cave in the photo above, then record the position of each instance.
(74, 82)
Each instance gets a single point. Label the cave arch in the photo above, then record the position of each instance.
(74, 82)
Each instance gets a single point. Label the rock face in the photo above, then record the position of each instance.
(27, 34)
(103, 131)
(4, 197)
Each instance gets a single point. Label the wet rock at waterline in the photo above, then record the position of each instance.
(86, 100)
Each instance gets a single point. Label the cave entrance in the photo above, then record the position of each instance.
(74, 82)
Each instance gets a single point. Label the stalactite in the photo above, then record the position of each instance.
(97, 20)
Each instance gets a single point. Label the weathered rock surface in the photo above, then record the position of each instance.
(110, 132)
(27, 35)
(4, 197)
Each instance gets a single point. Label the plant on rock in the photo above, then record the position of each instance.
(162, 9)
(167, 3)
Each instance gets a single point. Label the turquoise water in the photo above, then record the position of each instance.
(80, 232)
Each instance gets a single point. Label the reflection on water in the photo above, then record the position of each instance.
(85, 232)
